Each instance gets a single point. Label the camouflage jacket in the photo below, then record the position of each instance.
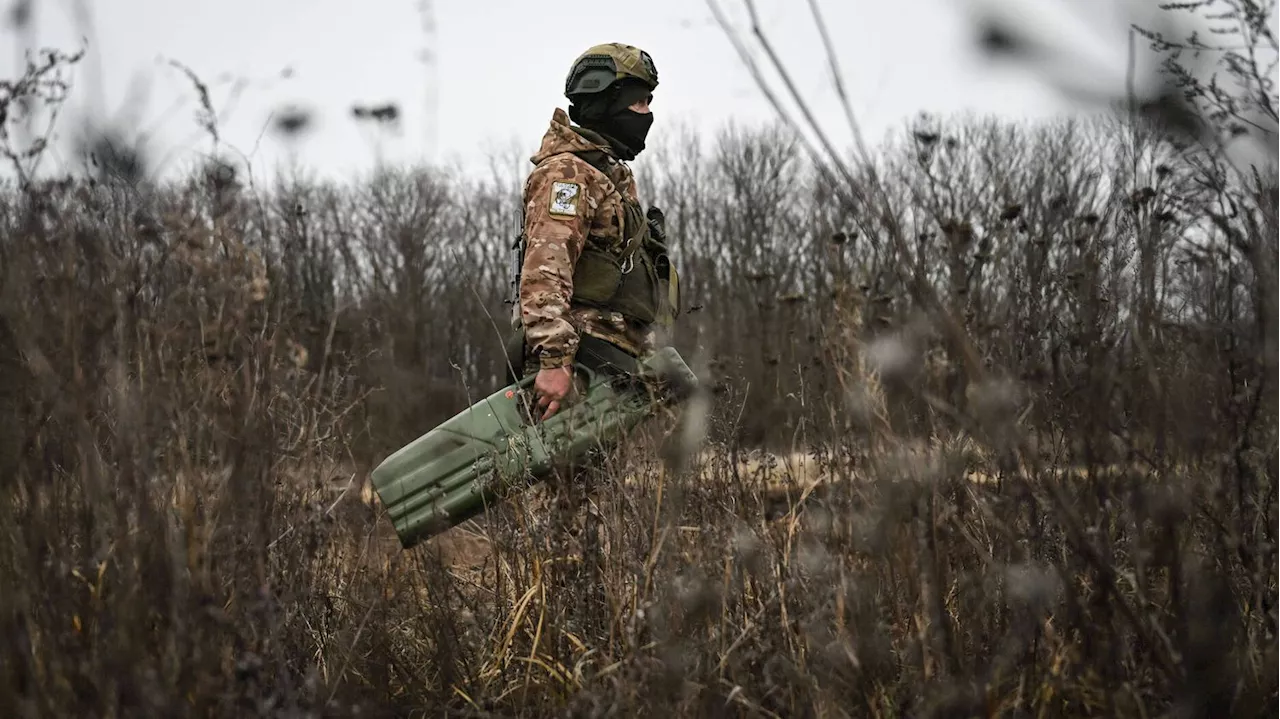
(566, 200)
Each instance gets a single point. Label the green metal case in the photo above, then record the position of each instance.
(457, 470)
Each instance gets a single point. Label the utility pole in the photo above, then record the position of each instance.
(430, 58)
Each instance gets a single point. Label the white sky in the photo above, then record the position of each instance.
(499, 66)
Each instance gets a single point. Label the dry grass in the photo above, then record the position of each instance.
(1005, 446)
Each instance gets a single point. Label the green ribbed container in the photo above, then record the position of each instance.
(457, 470)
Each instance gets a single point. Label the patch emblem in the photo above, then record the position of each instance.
(564, 198)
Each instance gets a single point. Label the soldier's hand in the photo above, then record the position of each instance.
(552, 387)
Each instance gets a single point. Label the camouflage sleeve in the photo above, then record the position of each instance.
(558, 211)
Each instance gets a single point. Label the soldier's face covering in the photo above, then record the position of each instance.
(632, 128)
(610, 114)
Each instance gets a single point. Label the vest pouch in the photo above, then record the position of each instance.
(637, 297)
(596, 277)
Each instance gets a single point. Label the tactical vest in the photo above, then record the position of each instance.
(637, 280)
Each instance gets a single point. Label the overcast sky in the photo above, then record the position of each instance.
(489, 73)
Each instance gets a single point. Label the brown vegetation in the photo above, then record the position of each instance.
(196, 378)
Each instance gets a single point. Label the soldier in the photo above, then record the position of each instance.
(595, 282)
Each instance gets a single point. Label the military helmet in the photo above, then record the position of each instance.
(597, 69)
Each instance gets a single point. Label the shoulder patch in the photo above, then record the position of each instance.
(564, 198)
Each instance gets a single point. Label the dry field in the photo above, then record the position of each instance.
(995, 437)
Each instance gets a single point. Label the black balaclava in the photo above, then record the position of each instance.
(608, 114)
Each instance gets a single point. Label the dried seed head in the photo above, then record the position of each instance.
(863, 403)
(892, 357)
(813, 559)
(819, 521)
(746, 546)
(694, 594)
(994, 401)
(692, 428)
(1033, 585)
